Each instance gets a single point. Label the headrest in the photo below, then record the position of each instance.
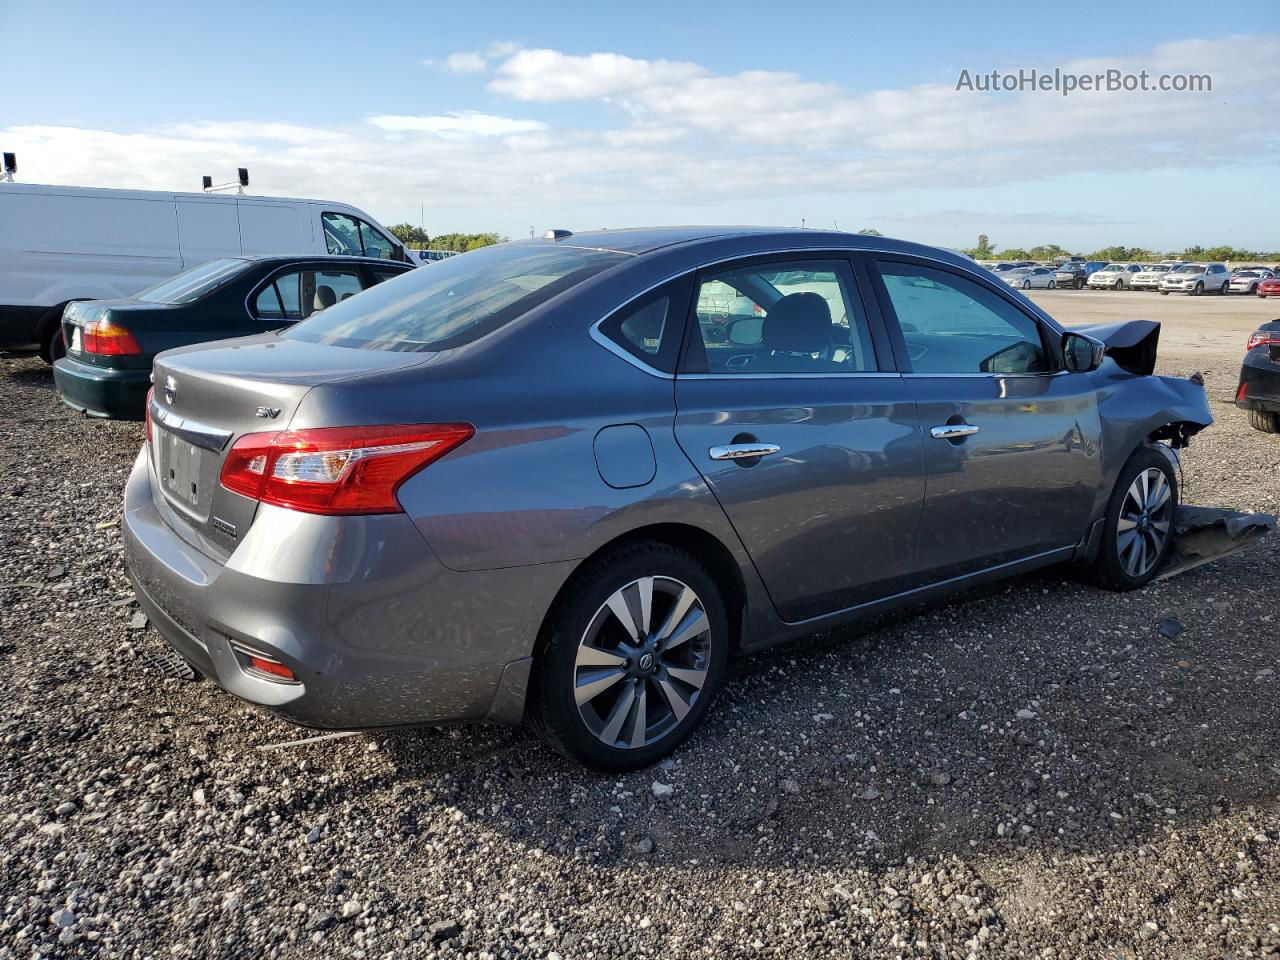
(798, 323)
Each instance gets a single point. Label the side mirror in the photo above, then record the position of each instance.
(1080, 354)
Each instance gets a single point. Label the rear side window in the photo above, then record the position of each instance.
(296, 294)
(780, 317)
(650, 327)
(458, 300)
(954, 325)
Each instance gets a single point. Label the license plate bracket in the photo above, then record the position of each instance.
(180, 469)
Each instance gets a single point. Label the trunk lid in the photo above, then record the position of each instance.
(207, 396)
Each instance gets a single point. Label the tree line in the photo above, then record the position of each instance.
(986, 250)
(418, 239)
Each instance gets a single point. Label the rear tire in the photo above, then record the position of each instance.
(49, 335)
(650, 693)
(1052, 284)
(1137, 529)
(1264, 420)
(1226, 288)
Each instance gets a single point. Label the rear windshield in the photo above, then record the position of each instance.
(456, 300)
(190, 285)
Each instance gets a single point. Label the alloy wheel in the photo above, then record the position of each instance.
(1146, 515)
(642, 662)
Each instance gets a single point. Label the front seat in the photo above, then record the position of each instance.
(795, 328)
(325, 297)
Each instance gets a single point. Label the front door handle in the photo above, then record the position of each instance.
(741, 451)
(953, 431)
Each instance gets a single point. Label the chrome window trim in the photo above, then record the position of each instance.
(301, 264)
(990, 376)
(639, 364)
(195, 433)
(870, 374)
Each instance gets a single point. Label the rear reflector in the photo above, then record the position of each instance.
(275, 669)
(1242, 393)
(269, 668)
(336, 470)
(151, 392)
(108, 339)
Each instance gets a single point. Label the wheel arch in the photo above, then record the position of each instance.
(703, 546)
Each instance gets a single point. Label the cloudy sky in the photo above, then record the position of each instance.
(511, 116)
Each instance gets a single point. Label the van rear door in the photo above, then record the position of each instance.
(267, 227)
(208, 228)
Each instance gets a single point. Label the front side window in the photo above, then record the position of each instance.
(457, 300)
(351, 237)
(781, 317)
(342, 235)
(954, 325)
(297, 294)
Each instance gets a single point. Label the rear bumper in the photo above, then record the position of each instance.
(100, 391)
(377, 630)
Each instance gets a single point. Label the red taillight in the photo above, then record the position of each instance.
(1263, 338)
(108, 339)
(151, 392)
(271, 667)
(336, 470)
(1242, 393)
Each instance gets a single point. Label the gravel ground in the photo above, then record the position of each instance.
(1033, 770)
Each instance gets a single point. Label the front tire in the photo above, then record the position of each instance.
(1199, 289)
(1137, 529)
(1026, 284)
(630, 658)
(1264, 420)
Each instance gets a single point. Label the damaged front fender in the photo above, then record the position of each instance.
(1131, 344)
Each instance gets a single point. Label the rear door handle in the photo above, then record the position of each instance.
(740, 451)
(953, 431)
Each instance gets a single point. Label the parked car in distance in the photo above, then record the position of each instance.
(527, 483)
(60, 244)
(1271, 287)
(1259, 389)
(433, 256)
(1114, 276)
(1247, 281)
(1148, 278)
(1070, 275)
(1195, 279)
(1027, 278)
(1004, 265)
(110, 344)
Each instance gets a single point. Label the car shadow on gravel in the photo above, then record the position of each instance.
(1042, 713)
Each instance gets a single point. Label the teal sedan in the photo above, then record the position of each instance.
(110, 343)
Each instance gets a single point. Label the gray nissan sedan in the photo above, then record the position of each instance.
(565, 479)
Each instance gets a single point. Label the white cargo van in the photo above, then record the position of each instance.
(59, 244)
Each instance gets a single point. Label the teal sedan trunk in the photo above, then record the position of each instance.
(110, 344)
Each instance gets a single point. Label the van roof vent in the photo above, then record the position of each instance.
(557, 234)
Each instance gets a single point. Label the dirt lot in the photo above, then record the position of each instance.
(1033, 770)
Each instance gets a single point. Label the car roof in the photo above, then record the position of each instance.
(638, 241)
(312, 257)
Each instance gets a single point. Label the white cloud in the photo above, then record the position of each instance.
(676, 133)
(549, 75)
(465, 63)
(463, 124)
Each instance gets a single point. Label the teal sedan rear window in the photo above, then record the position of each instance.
(455, 301)
(190, 285)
